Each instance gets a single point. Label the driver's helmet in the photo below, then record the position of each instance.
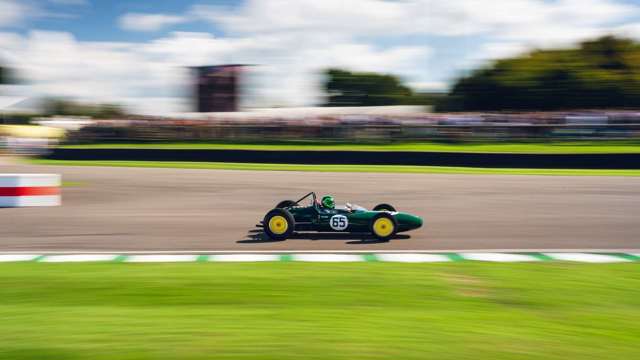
(327, 202)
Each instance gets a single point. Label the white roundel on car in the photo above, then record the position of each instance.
(339, 222)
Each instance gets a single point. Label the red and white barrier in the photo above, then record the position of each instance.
(20, 190)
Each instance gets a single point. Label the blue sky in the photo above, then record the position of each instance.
(136, 52)
(97, 20)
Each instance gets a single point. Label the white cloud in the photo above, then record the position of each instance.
(491, 51)
(57, 64)
(630, 30)
(429, 85)
(149, 22)
(507, 27)
(291, 42)
(17, 13)
(433, 17)
(12, 13)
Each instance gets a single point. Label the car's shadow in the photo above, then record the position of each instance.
(257, 236)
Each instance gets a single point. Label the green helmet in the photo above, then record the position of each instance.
(327, 201)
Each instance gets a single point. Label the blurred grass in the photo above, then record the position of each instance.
(567, 147)
(338, 168)
(72, 183)
(319, 311)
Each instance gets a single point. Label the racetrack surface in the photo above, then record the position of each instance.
(136, 209)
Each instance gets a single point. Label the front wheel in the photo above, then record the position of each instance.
(383, 226)
(278, 224)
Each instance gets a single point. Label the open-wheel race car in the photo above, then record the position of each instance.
(289, 216)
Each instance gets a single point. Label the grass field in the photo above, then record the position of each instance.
(340, 168)
(290, 310)
(568, 147)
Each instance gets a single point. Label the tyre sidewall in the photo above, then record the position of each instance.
(383, 215)
(384, 207)
(285, 204)
(290, 224)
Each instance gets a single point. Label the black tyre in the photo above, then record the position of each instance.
(285, 204)
(383, 226)
(278, 224)
(384, 207)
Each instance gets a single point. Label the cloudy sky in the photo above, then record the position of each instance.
(135, 52)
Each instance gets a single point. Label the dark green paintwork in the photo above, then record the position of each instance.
(316, 218)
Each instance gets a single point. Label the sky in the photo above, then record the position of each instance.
(137, 52)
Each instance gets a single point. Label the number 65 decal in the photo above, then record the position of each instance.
(339, 222)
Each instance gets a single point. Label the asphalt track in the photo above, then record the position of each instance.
(138, 209)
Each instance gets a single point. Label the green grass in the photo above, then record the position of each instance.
(72, 183)
(339, 168)
(568, 147)
(319, 311)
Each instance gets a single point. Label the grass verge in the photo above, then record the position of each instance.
(72, 183)
(564, 147)
(320, 311)
(339, 168)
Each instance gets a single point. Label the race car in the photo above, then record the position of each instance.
(289, 216)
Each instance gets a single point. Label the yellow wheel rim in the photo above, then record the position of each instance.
(278, 225)
(383, 227)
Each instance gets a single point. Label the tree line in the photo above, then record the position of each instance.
(600, 73)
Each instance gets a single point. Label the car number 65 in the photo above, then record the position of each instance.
(339, 222)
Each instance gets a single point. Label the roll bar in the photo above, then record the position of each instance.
(312, 194)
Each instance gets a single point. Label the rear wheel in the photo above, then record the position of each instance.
(384, 207)
(285, 204)
(278, 224)
(383, 226)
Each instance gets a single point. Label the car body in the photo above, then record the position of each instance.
(382, 222)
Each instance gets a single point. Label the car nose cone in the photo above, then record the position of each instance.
(416, 222)
(409, 221)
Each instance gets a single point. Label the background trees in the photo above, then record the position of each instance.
(6, 76)
(603, 73)
(64, 107)
(346, 88)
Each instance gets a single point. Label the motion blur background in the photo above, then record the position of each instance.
(370, 70)
(192, 118)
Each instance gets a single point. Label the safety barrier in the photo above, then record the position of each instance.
(492, 160)
(22, 190)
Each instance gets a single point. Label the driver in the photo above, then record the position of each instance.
(328, 202)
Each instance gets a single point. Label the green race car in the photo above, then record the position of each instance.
(289, 216)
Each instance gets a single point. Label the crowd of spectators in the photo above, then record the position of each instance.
(348, 127)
